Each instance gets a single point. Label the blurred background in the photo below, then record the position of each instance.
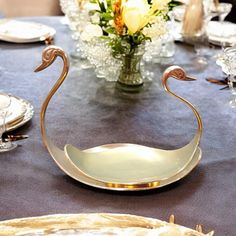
(14, 8)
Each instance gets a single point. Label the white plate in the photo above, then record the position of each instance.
(218, 33)
(24, 32)
(16, 111)
(222, 33)
(21, 120)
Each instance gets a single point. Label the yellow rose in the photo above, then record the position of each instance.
(135, 14)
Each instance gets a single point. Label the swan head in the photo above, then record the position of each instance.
(49, 55)
(176, 72)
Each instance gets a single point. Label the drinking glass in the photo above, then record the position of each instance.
(5, 102)
(232, 87)
(200, 38)
(228, 64)
(223, 9)
(75, 14)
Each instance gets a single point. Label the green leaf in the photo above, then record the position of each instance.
(173, 4)
(110, 30)
(106, 16)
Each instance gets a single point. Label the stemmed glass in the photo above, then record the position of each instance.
(199, 38)
(5, 102)
(222, 10)
(232, 86)
(230, 55)
(74, 12)
(228, 65)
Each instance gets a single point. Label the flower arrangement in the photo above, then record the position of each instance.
(113, 39)
(128, 23)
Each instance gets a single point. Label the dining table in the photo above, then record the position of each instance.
(88, 111)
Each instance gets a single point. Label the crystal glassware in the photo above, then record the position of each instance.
(232, 86)
(230, 55)
(130, 77)
(228, 64)
(76, 18)
(222, 10)
(194, 30)
(5, 102)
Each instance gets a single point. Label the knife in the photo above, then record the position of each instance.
(13, 138)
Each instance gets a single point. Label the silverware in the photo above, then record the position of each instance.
(225, 87)
(218, 81)
(13, 138)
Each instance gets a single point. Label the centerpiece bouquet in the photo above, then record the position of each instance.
(114, 38)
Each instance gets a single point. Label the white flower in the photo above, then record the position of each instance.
(111, 22)
(95, 18)
(157, 28)
(90, 31)
(91, 6)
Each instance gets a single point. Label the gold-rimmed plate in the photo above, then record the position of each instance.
(16, 111)
(94, 224)
(20, 119)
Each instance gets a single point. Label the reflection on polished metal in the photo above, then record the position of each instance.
(49, 40)
(121, 166)
(199, 228)
(172, 219)
(94, 224)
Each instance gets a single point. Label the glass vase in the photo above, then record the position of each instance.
(130, 78)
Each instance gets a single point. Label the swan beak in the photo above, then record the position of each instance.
(189, 78)
(39, 68)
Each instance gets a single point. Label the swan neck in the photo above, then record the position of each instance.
(167, 88)
(51, 93)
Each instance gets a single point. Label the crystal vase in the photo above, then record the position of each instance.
(130, 78)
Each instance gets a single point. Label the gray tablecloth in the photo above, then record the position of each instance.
(88, 111)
